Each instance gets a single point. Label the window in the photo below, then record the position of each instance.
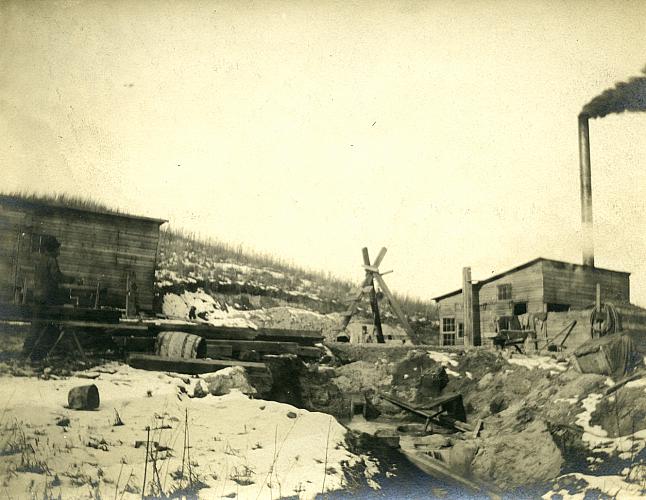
(504, 292)
(448, 324)
(448, 331)
(520, 308)
(460, 330)
(558, 307)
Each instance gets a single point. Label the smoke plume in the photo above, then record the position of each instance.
(624, 96)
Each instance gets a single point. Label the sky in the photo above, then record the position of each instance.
(445, 131)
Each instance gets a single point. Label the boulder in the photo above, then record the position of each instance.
(200, 390)
(223, 381)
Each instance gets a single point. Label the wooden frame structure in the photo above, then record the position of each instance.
(374, 275)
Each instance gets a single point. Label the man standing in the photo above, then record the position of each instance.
(47, 293)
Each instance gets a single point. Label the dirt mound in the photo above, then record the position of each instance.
(622, 413)
(512, 460)
(418, 377)
(479, 363)
(362, 376)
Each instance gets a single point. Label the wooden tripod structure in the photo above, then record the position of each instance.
(368, 287)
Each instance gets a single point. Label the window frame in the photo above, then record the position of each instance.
(444, 320)
(504, 291)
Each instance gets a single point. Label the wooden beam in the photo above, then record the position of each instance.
(374, 304)
(219, 350)
(395, 306)
(309, 352)
(367, 281)
(467, 306)
(256, 345)
(189, 366)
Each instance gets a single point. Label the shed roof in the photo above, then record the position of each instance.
(520, 267)
(68, 203)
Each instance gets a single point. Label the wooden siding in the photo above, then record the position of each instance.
(94, 247)
(576, 285)
(451, 307)
(526, 286)
(539, 283)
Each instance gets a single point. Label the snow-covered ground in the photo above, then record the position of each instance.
(237, 446)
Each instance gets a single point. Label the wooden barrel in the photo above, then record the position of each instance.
(83, 397)
(180, 345)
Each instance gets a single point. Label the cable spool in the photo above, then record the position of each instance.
(604, 320)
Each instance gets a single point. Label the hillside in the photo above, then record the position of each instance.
(223, 280)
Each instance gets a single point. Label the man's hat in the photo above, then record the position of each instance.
(50, 244)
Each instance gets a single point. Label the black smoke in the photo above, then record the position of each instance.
(624, 96)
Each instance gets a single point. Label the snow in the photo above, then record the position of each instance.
(541, 362)
(597, 438)
(613, 486)
(178, 306)
(443, 358)
(279, 450)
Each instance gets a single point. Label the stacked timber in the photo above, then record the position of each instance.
(196, 340)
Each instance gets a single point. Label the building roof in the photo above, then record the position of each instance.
(67, 203)
(520, 267)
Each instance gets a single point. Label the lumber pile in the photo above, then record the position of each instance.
(227, 343)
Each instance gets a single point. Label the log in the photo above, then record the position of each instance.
(190, 366)
(83, 397)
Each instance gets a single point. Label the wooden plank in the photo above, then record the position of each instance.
(257, 345)
(283, 332)
(135, 344)
(26, 312)
(207, 331)
(189, 366)
(219, 350)
(309, 352)
(395, 306)
(374, 303)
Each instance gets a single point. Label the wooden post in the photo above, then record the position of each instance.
(597, 301)
(127, 293)
(374, 305)
(368, 281)
(467, 306)
(396, 308)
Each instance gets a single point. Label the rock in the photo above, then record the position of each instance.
(83, 397)
(223, 381)
(497, 404)
(433, 380)
(370, 411)
(514, 459)
(485, 381)
(63, 422)
(200, 389)
(291, 414)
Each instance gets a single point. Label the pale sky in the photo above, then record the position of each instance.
(445, 131)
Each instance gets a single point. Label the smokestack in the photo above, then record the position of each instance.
(586, 190)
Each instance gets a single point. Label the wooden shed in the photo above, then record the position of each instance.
(107, 253)
(540, 285)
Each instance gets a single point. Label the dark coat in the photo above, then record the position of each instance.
(47, 279)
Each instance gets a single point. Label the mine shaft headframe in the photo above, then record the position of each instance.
(372, 275)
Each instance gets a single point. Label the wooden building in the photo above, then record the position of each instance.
(540, 285)
(107, 254)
